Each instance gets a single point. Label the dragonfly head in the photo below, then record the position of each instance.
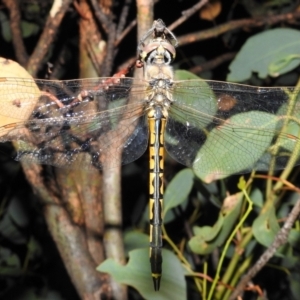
(158, 51)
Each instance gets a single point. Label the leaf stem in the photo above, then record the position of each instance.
(229, 240)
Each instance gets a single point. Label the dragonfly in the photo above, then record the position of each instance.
(216, 128)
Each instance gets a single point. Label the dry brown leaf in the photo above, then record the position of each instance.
(230, 202)
(17, 98)
(211, 10)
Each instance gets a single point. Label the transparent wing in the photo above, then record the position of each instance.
(221, 128)
(76, 123)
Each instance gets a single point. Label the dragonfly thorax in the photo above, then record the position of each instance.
(160, 94)
(153, 72)
(156, 57)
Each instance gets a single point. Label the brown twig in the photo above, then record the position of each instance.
(56, 14)
(104, 19)
(279, 240)
(232, 25)
(92, 56)
(187, 13)
(111, 177)
(145, 16)
(80, 11)
(209, 65)
(125, 32)
(16, 32)
(107, 68)
(144, 22)
(133, 23)
(90, 194)
(59, 64)
(69, 239)
(109, 26)
(123, 17)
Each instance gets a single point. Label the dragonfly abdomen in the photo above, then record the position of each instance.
(157, 123)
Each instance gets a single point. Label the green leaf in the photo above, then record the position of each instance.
(289, 144)
(115, 118)
(236, 146)
(208, 233)
(184, 75)
(138, 275)
(257, 198)
(29, 29)
(9, 262)
(272, 52)
(292, 128)
(294, 238)
(202, 243)
(265, 227)
(282, 62)
(5, 28)
(294, 279)
(34, 248)
(177, 192)
(188, 99)
(134, 239)
(289, 258)
(250, 248)
(13, 221)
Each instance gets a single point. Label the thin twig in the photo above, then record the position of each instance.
(109, 26)
(56, 14)
(133, 23)
(123, 17)
(92, 56)
(187, 13)
(80, 11)
(279, 240)
(105, 20)
(59, 64)
(16, 32)
(232, 25)
(209, 65)
(110, 53)
(125, 32)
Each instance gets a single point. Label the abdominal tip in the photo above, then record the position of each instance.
(156, 282)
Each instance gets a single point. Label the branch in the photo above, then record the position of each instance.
(16, 32)
(121, 35)
(125, 32)
(145, 13)
(69, 239)
(248, 23)
(123, 17)
(106, 20)
(279, 240)
(56, 14)
(209, 65)
(145, 16)
(187, 13)
(92, 57)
